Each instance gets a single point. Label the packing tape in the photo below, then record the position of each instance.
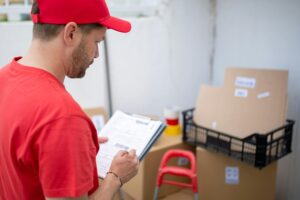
(171, 112)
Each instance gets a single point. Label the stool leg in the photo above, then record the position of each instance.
(196, 196)
(155, 197)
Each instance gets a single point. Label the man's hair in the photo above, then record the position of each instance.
(47, 32)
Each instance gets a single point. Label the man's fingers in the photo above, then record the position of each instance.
(132, 152)
(102, 140)
(122, 153)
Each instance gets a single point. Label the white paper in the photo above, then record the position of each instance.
(232, 175)
(241, 92)
(263, 95)
(246, 82)
(124, 132)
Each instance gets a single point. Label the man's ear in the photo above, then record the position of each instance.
(71, 33)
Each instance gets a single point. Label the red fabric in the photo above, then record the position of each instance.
(48, 145)
(81, 12)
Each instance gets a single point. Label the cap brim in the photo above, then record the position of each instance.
(117, 24)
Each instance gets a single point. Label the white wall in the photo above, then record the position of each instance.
(15, 40)
(163, 60)
(265, 34)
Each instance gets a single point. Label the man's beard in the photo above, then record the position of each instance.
(80, 61)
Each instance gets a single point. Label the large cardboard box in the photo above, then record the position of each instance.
(251, 101)
(142, 186)
(222, 177)
(256, 98)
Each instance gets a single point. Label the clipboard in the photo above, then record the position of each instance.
(152, 141)
(125, 132)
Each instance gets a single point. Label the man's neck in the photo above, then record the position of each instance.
(46, 56)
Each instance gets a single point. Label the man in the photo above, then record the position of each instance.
(47, 144)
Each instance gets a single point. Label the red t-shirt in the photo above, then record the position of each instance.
(48, 145)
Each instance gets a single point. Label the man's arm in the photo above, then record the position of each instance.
(109, 187)
(124, 165)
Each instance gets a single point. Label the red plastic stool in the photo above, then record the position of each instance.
(177, 171)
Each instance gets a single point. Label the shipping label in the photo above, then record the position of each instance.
(232, 175)
(241, 92)
(245, 82)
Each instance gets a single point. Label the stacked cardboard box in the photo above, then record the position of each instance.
(251, 101)
(221, 177)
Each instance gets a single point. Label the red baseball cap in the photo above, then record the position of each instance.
(78, 11)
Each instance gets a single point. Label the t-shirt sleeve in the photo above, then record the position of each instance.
(66, 154)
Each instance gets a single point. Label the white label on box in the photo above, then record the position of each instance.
(245, 82)
(263, 95)
(232, 175)
(214, 125)
(182, 161)
(241, 92)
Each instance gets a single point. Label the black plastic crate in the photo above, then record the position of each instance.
(257, 149)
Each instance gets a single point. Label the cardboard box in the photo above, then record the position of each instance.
(98, 116)
(142, 186)
(222, 177)
(251, 101)
(256, 99)
(185, 194)
(96, 111)
(209, 103)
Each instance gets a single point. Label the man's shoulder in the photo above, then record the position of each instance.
(51, 99)
(61, 102)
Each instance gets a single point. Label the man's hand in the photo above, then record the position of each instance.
(125, 164)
